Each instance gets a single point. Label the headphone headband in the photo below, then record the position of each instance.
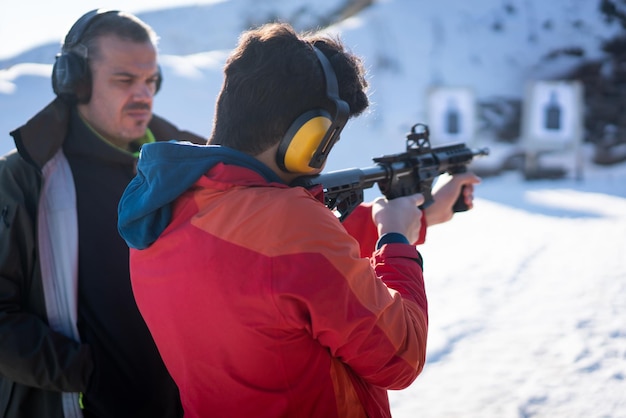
(309, 139)
(77, 31)
(340, 118)
(332, 88)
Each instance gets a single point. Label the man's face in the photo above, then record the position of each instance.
(124, 77)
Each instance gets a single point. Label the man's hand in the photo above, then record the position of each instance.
(441, 210)
(398, 215)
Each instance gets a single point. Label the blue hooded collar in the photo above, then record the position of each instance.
(165, 170)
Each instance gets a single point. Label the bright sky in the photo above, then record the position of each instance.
(28, 23)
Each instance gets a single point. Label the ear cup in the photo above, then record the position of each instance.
(306, 144)
(301, 141)
(68, 72)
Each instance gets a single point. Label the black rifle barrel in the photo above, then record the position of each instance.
(397, 175)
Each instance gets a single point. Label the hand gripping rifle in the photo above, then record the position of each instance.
(397, 175)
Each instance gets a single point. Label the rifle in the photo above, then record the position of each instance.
(397, 175)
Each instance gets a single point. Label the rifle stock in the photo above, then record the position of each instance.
(396, 175)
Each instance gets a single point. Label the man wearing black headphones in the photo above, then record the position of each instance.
(72, 342)
(254, 292)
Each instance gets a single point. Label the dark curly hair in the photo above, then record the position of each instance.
(272, 77)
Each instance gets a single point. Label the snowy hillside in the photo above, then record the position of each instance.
(491, 46)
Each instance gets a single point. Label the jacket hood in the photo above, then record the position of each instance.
(165, 170)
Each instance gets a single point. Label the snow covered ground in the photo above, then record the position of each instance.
(527, 291)
(527, 303)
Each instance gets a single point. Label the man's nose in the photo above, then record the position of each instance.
(144, 91)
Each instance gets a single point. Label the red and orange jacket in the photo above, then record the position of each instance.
(258, 299)
(361, 226)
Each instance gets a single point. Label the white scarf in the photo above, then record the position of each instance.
(58, 249)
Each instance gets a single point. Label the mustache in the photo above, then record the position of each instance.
(137, 106)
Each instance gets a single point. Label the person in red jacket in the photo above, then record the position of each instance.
(258, 299)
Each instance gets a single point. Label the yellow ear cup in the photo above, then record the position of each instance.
(304, 144)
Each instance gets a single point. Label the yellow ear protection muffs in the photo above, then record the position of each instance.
(309, 139)
(70, 72)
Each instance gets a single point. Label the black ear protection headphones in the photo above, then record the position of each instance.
(70, 72)
(309, 139)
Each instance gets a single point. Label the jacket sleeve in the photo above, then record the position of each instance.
(360, 225)
(370, 314)
(31, 353)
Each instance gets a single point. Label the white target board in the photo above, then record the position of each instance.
(553, 115)
(553, 122)
(451, 115)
